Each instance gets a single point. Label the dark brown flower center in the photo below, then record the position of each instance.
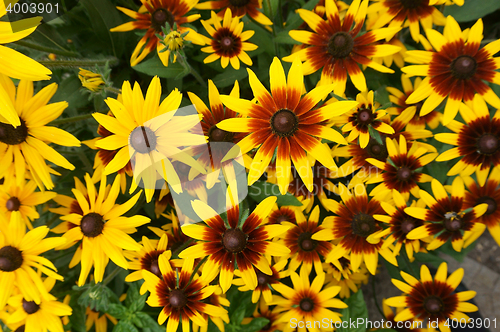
(30, 307)
(20, 329)
(306, 243)
(306, 304)
(177, 299)
(408, 224)
(13, 136)
(492, 204)
(411, 4)
(226, 43)
(155, 268)
(143, 139)
(234, 240)
(344, 262)
(13, 204)
(218, 135)
(363, 224)
(463, 67)
(239, 3)
(281, 218)
(376, 150)
(418, 106)
(262, 278)
(452, 222)
(10, 259)
(284, 123)
(365, 116)
(487, 144)
(340, 45)
(403, 174)
(433, 304)
(92, 224)
(150, 262)
(160, 17)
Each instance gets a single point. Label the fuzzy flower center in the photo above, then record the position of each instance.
(340, 45)
(411, 4)
(306, 304)
(13, 136)
(408, 224)
(284, 123)
(452, 222)
(463, 67)
(365, 116)
(177, 299)
(218, 135)
(30, 307)
(433, 304)
(160, 17)
(492, 204)
(239, 3)
(143, 139)
(306, 243)
(10, 259)
(376, 150)
(488, 144)
(262, 278)
(234, 240)
(363, 224)
(13, 204)
(92, 224)
(403, 174)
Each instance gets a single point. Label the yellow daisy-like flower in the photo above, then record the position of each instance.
(408, 325)
(238, 8)
(456, 70)
(91, 80)
(145, 132)
(25, 147)
(433, 299)
(306, 301)
(263, 310)
(23, 199)
(339, 273)
(99, 320)
(15, 64)
(229, 41)
(286, 122)
(361, 119)
(42, 316)
(152, 16)
(19, 254)
(98, 224)
(477, 142)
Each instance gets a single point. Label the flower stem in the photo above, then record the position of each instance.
(112, 90)
(375, 297)
(197, 267)
(182, 247)
(69, 120)
(407, 261)
(45, 48)
(111, 276)
(77, 63)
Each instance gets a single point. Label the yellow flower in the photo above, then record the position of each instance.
(90, 80)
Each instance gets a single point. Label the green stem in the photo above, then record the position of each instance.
(407, 261)
(111, 276)
(276, 47)
(197, 267)
(182, 247)
(69, 120)
(112, 90)
(45, 49)
(77, 63)
(375, 297)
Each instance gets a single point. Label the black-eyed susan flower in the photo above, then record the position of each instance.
(180, 293)
(19, 254)
(282, 213)
(242, 242)
(457, 69)
(489, 194)
(90, 80)
(229, 41)
(400, 224)
(23, 199)
(307, 301)
(403, 171)
(398, 98)
(263, 310)
(396, 58)
(336, 46)
(25, 147)
(145, 131)
(339, 273)
(359, 121)
(353, 224)
(402, 13)
(216, 299)
(303, 249)
(287, 123)
(406, 326)
(433, 299)
(238, 9)
(156, 14)
(43, 316)
(99, 226)
(446, 219)
(477, 142)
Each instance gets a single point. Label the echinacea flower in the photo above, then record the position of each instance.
(432, 299)
(180, 294)
(156, 15)
(446, 219)
(244, 242)
(455, 70)
(238, 8)
(336, 46)
(286, 122)
(25, 147)
(477, 142)
(229, 41)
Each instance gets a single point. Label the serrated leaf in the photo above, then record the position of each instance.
(154, 67)
(261, 190)
(356, 309)
(134, 300)
(117, 310)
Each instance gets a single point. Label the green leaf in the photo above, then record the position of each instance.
(104, 16)
(447, 248)
(357, 309)
(134, 300)
(154, 67)
(375, 134)
(256, 324)
(228, 77)
(429, 258)
(124, 326)
(472, 10)
(283, 37)
(270, 8)
(260, 190)
(78, 317)
(148, 321)
(294, 21)
(117, 310)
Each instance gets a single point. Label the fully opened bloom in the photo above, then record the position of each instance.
(99, 226)
(242, 242)
(446, 219)
(156, 14)
(181, 295)
(455, 69)
(287, 123)
(477, 142)
(336, 46)
(25, 147)
(433, 299)
(238, 9)
(228, 42)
